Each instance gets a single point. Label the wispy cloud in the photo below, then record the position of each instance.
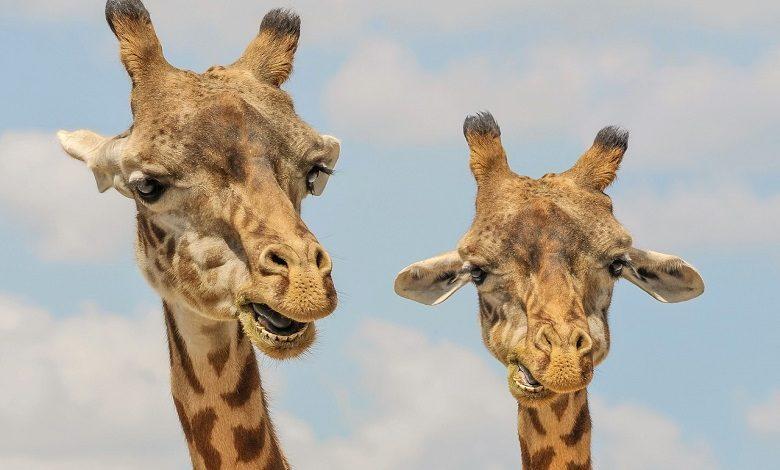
(348, 17)
(704, 216)
(55, 199)
(701, 115)
(628, 436)
(438, 405)
(764, 418)
(90, 390)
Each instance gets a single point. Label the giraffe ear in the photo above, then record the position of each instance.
(667, 278)
(486, 153)
(101, 154)
(270, 55)
(597, 168)
(434, 280)
(139, 48)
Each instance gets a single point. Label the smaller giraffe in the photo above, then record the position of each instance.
(544, 255)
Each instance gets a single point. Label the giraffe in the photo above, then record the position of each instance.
(544, 255)
(217, 165)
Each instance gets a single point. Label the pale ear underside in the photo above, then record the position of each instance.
(101, 154)
(434, 280)
(665, 277)
(334, 149)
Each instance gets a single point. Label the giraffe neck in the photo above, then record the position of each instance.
(215, 383)
(556, 435)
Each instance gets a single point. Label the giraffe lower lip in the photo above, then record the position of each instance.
(274, 321)
(524, 380)
(529, 379)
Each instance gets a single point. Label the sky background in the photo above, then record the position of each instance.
(392, 384)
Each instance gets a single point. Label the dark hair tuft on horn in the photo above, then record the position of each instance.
(133, 10)
(481, 123)
(281, 22)
(612, 137)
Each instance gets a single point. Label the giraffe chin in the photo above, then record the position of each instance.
(275, 345)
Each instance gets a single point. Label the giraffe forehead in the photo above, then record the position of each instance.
(221, 126)
(540, 219)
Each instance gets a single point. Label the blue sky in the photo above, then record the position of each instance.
(392, 384)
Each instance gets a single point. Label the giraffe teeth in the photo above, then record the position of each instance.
(279, 339)
(527, 388)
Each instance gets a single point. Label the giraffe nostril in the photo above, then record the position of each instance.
(277, 259)
(322, 260)
(582, 341)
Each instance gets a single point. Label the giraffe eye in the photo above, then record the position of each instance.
(149, 189)
(478, 275)
(616, 267)
(314, 174)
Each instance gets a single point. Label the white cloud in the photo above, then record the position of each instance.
(343, 18)
(91, 390)
(438, 405)
(701, 114)
(717, 215)
(56, 199)
(434, 405)
(632, 437)
(84, 391)
(764, 418)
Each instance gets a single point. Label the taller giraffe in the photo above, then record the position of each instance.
(218, 164)
(545, 254)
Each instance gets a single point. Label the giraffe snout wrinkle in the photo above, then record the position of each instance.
(548, 338)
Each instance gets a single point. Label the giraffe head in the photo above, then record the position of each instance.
(218, 165)
(544, 255)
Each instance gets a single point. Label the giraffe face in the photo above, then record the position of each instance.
(544, 255)
(218, 165)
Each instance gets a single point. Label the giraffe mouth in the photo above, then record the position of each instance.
(274, 325)
(521, 379)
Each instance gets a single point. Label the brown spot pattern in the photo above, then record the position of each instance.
(248, 442)
(248, 382)
(524, 454)
(579, 466)
(185, 422)
(542, 459)
(533, 416)
(159, 233)
(202, 425)
(581, 426)
(218, 358)
(170, 248)
(560, 405)
(181, 350)
(143, 230)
